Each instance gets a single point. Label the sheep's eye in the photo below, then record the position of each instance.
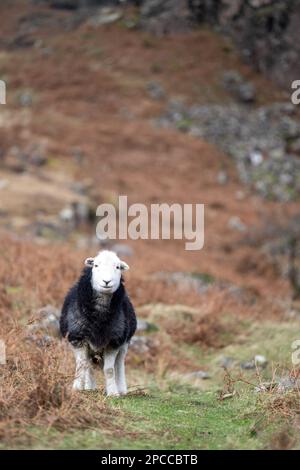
(118, 267)
(96, 265)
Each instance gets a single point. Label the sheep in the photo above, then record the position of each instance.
(99, 320)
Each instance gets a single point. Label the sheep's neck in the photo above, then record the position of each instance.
(102, 300)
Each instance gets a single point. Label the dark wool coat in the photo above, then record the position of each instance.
(90, 319)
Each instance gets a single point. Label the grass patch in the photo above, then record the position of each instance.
(177, 418)
(176, 414)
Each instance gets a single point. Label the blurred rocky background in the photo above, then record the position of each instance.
(162, 101)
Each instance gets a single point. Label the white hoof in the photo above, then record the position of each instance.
(113, 394)
(90, 388)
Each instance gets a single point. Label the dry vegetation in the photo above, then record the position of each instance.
(82, 90)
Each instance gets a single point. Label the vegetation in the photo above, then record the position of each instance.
(80, 132)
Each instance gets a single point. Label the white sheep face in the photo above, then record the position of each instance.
(107, 270)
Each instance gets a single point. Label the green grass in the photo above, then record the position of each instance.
(176, 413)
(180, 418)
(185, 418)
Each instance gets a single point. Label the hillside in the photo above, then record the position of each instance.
(85, 121)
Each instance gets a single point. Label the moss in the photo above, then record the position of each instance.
(204, 277)
(184, 125)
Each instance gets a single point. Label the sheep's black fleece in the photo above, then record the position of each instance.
(86, 321)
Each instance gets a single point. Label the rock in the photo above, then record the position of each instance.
(140, 344)
(286, 383)
(165, 16)
(145, 326)
(81, 187)
(222, 177)
(231, 78)
(38, 159)
(295, 146)
(236, 224)
(265, 387)
(257, 139)
(260, 361)
(246, 92)
(67, 214)
(86, 242)
(121, 249)
(105, 16)
(256, 157)
(74, 4)
(65, 4)
(48, 321)
(280, 385)
(78, 155)
(20, 159)
(227, 362)
(248, 365)
(198, 282)
(127, 113)
(47, 230)
(199, 374)
(175, 311)
(41, 341)
(15, 160)
(25, 99)
(155, 90)
(75, 214)
(240, 195)
(82, 212)
(241, 89)
(266, 32)
(21, 41)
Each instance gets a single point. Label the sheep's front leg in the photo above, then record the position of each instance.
(90, 381)
(109, 371)
(120, 370)
(84, 374)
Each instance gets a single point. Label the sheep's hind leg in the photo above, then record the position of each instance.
(84, 377)
(109, 371)
(120, 370)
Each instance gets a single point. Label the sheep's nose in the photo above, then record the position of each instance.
(106, 282)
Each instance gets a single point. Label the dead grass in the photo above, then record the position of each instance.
(206, 327)
(120, 156)
(35, 382)
(275, 408)
(36, 392)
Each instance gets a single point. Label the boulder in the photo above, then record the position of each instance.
(165, 16)
(48, 321)
(266, 31)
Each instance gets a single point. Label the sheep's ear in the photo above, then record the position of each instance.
(89, 262)
(124, 266)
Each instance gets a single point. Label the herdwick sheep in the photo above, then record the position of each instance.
(99, 320)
